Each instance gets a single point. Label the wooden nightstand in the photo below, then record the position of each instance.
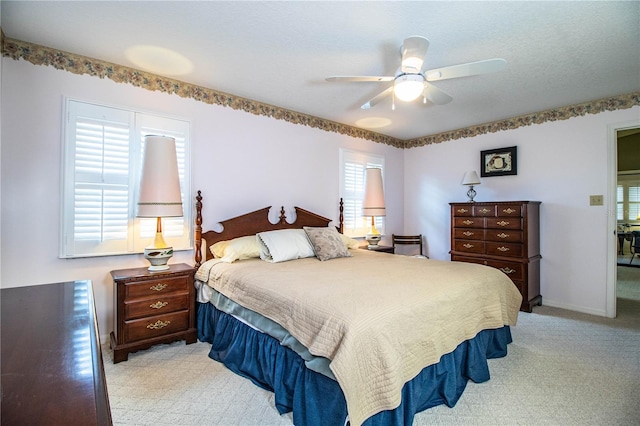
(152, 308)
(382, 249)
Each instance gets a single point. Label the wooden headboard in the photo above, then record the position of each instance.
(251, 224)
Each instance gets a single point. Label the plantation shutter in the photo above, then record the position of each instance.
(102, 165)
(352, 176)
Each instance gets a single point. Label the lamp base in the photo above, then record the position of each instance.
(158, 258)
(373, 239)
(471, 193)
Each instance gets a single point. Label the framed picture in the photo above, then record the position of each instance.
(499, 162)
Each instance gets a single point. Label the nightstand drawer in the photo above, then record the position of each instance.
(156, 306)
(158, 325)
(157, 287)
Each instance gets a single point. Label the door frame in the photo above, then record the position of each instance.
(612, 209)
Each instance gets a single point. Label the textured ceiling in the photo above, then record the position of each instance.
(557, 53)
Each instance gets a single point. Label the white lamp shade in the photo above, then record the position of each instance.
(373, 204)
(160, 184)
(408, 87)
(471, 178)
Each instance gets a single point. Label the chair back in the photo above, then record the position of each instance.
(407, 240)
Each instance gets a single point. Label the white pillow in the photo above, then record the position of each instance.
(237, 249)
(283, 245)
(350, 242)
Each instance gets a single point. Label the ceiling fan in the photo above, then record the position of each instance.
(411, 82)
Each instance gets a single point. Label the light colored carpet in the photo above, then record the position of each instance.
(563, 368)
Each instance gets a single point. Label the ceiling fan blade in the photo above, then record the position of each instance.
(413, 51)
(359, 78)
(377, 98)
(436, 95)
(466, 70)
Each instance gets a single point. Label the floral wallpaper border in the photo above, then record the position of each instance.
(78, 64)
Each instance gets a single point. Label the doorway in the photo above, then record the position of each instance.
(614, 131)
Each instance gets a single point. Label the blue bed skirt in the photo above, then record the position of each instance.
(317, 400)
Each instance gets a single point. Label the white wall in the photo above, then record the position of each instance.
(241, 162)
(560, 164)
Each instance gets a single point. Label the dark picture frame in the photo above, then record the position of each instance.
(499, 162)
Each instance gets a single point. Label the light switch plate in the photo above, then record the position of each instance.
(596, 200)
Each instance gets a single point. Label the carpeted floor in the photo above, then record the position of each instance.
(563, 368)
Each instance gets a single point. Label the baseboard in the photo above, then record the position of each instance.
(581, 309)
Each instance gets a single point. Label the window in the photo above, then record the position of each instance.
(353, 165)
(628, 198)
(101, 174)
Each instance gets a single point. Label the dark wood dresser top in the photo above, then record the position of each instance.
(52, 371)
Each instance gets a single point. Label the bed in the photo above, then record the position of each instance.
(343, 335)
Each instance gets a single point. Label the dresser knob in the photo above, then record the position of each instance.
(509, 210)
(503, 235)
(503, 223)
(484, 210)
(503, 249)
(467, 245)
(462, 210)
(507, 270)
(468, 222)
(467, 233)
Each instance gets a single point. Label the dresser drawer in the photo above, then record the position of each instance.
(469, 246)
(506, 235)
(484, 211)
(158, 325)
(504, 223)
(504, 249)
(469, 222)
(513, 270)
(509, 211)
(468, 234)
(463, 211)
(157, 287)
(156, 306)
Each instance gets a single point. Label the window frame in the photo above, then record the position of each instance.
(628, 182)
(353, 198)
(139, 231)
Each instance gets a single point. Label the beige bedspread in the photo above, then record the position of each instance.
(380, 318)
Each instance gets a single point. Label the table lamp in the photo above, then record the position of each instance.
(470, 179)
(373, 204)
(159, 194)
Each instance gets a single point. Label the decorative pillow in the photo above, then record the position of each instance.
(349, 242)
(326, 243)
(283, 245)
(237, 249)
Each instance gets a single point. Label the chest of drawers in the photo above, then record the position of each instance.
(504, 235)
(152, 308)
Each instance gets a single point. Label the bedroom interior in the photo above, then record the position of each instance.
(266, 128)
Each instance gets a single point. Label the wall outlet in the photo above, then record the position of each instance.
(596, 200)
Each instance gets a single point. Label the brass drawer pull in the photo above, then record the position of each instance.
(507, 270)
(468, 233)
(462, 210)
(509, 210)
(158, 305)
(503, 235)
(158, 287)
(468, 222)
(484, 210)
(467, 245)
(503, 223)
(503, 249)
(158, 325)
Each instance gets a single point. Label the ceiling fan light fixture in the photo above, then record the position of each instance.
(408, 87)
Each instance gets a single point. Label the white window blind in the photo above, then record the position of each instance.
(352, 175)
(102, 165)
(628, 198)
